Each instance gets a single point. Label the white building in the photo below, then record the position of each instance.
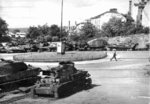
(20, 34)
(99, 20)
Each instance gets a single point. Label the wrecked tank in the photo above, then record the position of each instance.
(16, 74)
(62, 80)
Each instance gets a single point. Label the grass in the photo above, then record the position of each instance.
(54, 57)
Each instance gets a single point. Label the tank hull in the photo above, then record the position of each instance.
(10, 67)
(25, 78)
(77, 82)
(62, 81)
(19, 75)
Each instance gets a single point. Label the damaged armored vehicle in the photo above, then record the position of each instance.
(62, 80)
(16, 74)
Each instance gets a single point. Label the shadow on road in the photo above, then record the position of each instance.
(70, 93)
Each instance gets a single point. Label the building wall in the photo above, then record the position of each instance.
(98, 22)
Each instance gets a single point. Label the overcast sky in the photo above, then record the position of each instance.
(25, 13)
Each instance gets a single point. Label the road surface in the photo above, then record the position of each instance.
(114, 82)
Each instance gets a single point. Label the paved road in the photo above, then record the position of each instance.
(121, 82)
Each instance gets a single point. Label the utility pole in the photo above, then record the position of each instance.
(61, 45)
(61, 19)
(69, 27)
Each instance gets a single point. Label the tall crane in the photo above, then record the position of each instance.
(140, 6)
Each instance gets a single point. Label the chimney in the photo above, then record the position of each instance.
(130, 8)
(114, 10)
(69, 25)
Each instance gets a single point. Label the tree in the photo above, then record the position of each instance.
(146, 30)
(3, 27)
(33, 32)
(114, 27)
(48, 38)
(88, 30)
(74, 37)
(141, 29)
(45, 30)
(46, 33)
(117, 27)
(54, 30)
(5, 39)
(63, 35)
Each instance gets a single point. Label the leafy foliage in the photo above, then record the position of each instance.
(46, 33)
(3, 27)
(114, 27)
(88, 30)
(48, 38)
(74, 37)
(33, 32)
(44, 30)
(55, 30)
(117, 27)
(5, 39)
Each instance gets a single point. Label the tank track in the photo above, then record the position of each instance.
(8, 101)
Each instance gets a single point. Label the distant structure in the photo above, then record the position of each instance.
(130, 8)
(146, 15)
(141, 6)
(104, 17)
(20, 34)
(17, 34)
(98, 20)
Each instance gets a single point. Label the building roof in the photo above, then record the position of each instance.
(114, 10)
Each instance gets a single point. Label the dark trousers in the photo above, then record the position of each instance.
(114, 57)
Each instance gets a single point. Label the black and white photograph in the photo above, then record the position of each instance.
(74, 52)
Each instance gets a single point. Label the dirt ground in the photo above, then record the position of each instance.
(114, 82)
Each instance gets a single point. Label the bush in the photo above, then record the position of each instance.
(5, 39)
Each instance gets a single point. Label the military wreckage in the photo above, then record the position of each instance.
(56, 82)
(62, 80)
(16, 74)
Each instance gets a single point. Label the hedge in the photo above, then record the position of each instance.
(55, 57)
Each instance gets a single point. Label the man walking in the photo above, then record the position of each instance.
(114, 55)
